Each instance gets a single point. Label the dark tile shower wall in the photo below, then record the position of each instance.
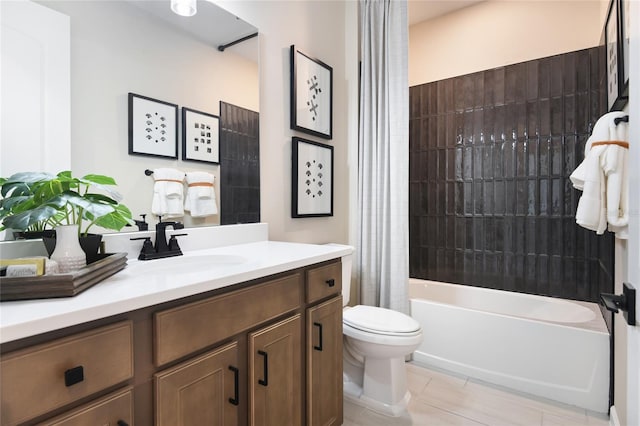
(491, 204)
(239, 165)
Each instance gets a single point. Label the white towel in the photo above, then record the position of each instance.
(168, 192)
(201, 195)
(602, 178)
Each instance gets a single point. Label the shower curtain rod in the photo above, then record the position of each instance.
(240, 40)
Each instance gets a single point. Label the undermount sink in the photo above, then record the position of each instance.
(186, 264)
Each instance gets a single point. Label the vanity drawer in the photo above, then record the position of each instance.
(110, 410)
(186, 329)
(324, 281)
(44, 377)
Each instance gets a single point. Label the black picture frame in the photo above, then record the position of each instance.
(311, 179)
(153, 127)
(311, 95)
(200, 136)
(624, 15)
(616, 100)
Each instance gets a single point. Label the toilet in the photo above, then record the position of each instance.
(375, 344)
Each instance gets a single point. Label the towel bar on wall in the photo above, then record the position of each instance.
(149, 172)
(626, 302)
(624, 118)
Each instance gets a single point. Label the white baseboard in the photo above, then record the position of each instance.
(614, 420)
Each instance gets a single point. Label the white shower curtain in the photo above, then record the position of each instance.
(383, 152)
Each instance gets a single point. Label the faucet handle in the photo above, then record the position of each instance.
(173, 242)
(147, 247)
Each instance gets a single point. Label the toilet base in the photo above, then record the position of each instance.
(353, 393)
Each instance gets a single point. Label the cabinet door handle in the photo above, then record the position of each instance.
(265, 360)
(319, 347)
(122, 423)
(331, 282)
(236, 393)
(73, 375)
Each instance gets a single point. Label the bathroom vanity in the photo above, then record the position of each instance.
(249, 333)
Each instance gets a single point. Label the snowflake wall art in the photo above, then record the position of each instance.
(153, 127)
(311, 95)
(312, 179)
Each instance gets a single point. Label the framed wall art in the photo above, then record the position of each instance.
(200, 136)
(311, 95)
(616, 99)
(624, 48)
(312, 179)
(612, 51)
(153, 127)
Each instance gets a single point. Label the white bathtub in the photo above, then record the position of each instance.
(552, 348)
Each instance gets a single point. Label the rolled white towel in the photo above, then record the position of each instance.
(201, 196)
(168, 192)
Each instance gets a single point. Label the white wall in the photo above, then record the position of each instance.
(116, 49)
(326, 30)
(497, 32)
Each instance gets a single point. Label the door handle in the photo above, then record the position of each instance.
(319, 347)
(626, 302)
(236, 393)
(331, 282)
(265, 359)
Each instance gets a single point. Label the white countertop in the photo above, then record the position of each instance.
(143, 284)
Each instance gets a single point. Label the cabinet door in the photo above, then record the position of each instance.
(324, 363)
(203, 391)
(275, 374)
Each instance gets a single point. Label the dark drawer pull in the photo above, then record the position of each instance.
(331, 282)
(265, 359)
(319, 347)
(236, 393)
(122, 423)
(73, 375)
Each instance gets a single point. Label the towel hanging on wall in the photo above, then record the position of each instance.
(168, 192)
(602, 177)
(201, 197)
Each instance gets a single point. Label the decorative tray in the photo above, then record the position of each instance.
(62, 285)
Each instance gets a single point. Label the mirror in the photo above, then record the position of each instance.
(125, 46)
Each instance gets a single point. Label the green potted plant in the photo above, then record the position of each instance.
(36, 201)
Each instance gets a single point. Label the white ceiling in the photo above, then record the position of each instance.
(211, 24)
(423, 10)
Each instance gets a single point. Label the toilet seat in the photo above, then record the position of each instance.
(386, 322)
(404, 340)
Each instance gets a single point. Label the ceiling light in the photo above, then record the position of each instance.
(184, 7)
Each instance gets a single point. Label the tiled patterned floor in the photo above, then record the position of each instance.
(440, 399)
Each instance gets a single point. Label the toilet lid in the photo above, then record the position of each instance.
(379, 320)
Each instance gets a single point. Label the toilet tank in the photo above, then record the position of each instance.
(347, 262)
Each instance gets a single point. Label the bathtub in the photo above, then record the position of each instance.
(552, 348)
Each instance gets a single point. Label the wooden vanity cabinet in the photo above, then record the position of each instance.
(112, 410)
(265, 352)
(324, 363)
(324, 346)
(203, 391)
(47, 376)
